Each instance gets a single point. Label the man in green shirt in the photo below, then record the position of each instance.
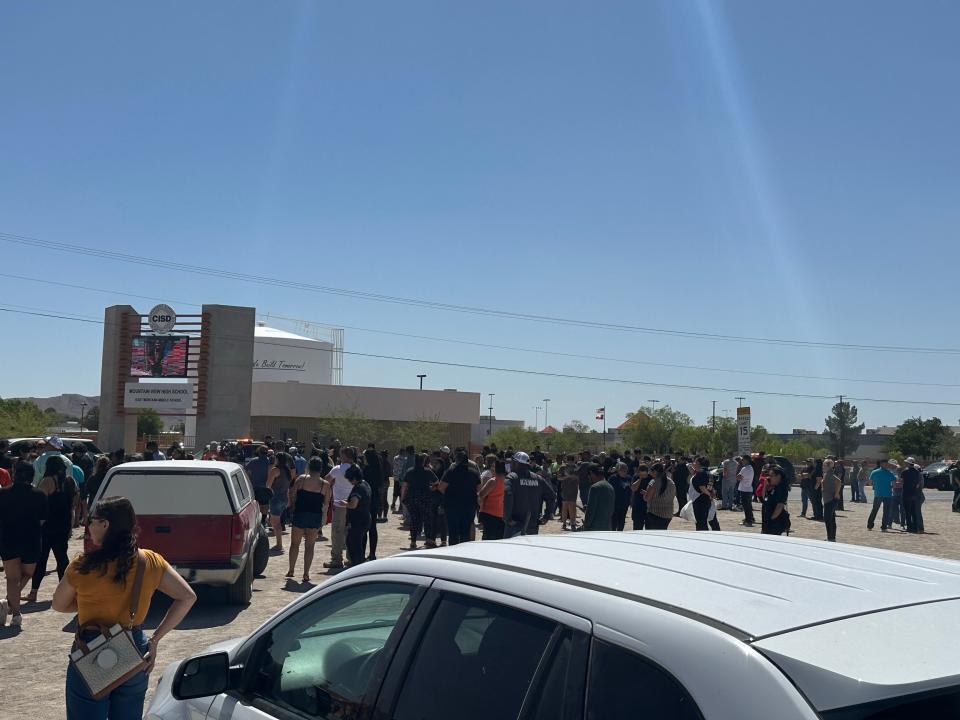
(600, 502)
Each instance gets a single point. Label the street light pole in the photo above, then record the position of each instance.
(536, 421)
(490, 416)
(421, 380)
(83, 409)
(546, 407)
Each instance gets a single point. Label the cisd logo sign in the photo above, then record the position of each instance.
(161, 319)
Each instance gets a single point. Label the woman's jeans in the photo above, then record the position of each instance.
(123, 702)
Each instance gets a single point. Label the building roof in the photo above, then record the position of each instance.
(757, 585)
(549, 429)
(630, 421)
(262, 331)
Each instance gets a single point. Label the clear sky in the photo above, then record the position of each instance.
(750, 167)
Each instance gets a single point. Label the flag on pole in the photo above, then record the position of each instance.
(601, 413)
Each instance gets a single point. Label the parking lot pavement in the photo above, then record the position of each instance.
(33, 661)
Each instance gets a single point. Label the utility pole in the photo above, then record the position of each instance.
(653, 403)
(83, 409)
(421, 380)
(546, 407)
(490, 416)
(714, 417)
(739, 400)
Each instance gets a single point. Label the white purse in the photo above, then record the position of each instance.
(111, 658)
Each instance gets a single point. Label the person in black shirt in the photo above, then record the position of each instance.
(415, 497)
(373, 476)
(774, 516)
(358, 515)
(703, 484)
(6, 462)
(680, 477)
(23, 509)
(639, 487)
(621, 481)
(459, 486)
(911, 491)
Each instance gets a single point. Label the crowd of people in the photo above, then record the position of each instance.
(444, 498)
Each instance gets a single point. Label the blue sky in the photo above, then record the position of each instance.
(771, 169)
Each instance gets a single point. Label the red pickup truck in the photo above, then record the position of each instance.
(201, 516)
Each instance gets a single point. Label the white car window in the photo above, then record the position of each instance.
(621, 682)
(240, 488)
(320, 660)
(171, 493)
(475, 661)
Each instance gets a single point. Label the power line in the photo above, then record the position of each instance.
(541, 373)
(435, 305)
(513, 348)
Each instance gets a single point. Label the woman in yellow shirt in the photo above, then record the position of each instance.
(97, 586)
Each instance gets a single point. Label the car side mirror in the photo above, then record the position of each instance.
(202, 676)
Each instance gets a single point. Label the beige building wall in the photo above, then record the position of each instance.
(296, 400)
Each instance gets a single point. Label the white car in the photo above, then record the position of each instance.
(648, 625)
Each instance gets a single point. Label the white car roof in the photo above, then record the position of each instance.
(755, 586)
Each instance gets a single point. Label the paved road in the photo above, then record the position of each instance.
(33, 661)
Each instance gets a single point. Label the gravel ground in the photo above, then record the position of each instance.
(33, 660)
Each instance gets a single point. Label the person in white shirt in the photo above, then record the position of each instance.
(745, 488)
(341, 488)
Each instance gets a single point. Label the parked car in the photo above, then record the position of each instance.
(68, 442)
(599, 625)
(936, 476)
(201, 516)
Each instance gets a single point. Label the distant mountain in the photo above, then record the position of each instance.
(66, 404)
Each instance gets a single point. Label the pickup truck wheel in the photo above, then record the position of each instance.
(241, 592)
(261, 554)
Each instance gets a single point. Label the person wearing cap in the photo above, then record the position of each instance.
(524, 494)
(52, 446)
(911, 480)
(882, 480)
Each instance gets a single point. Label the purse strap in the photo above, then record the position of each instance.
(137, 585)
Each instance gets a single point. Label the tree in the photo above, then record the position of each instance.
(91, 421)
(349, 427)
(948, 447)
(21, 418)
(149, 423)
(842, 429)
(516, 437)
(922, 438)
(654, 430)
(423, 433)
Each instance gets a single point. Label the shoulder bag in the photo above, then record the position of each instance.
(111, 658)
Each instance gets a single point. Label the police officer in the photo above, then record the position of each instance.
(523, 497)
